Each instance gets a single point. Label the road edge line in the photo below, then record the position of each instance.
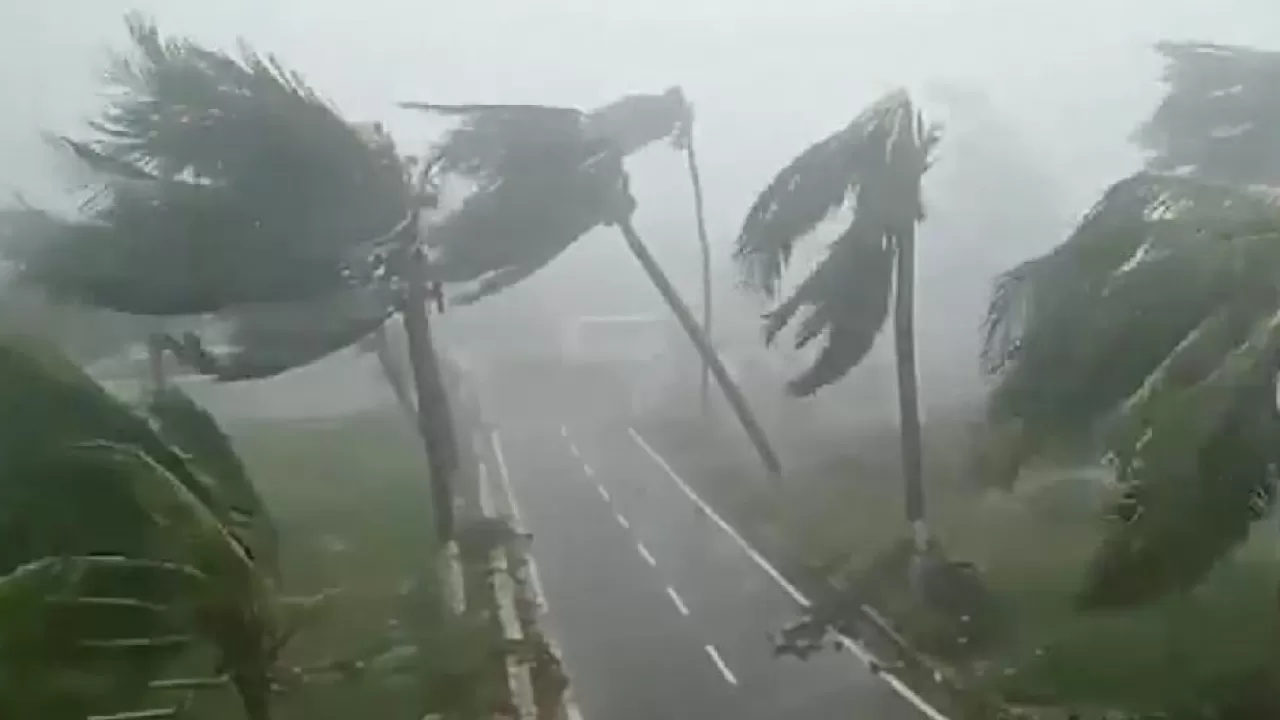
(862, 653)
(568, 702)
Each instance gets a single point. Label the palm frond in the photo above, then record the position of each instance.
(1072, 334)
(224, 180)
(826, 176)
(1198, 466)
(875, 164)
(270, 339)
(848, 297)
(1220, 116)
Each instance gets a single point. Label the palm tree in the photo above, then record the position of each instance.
(222, 185)
(546, 176)
(875, 165)
(1153, 333)
(125, 540)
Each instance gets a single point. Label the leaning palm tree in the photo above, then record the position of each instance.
(1152, 335)
(874, 165)
(224, 185)
(545, 177)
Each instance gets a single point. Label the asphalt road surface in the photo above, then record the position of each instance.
(659, 610)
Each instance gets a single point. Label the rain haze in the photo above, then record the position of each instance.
(581, 393)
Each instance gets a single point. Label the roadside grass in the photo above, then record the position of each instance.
(350, 497)
(842, 505)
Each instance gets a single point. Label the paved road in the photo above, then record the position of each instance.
(660, 612)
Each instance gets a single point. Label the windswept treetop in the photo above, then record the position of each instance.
(216, 180)
(1220, 116)
(872, 166)
(545, 177)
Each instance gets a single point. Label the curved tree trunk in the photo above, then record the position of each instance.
(712, 361)
(695, 177)
(908, 387)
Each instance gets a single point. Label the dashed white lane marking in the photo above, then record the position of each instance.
(574, 449)
(586, 469)
(644, 553)
(564, 431)
(860, 652)
(622, 521)
(603, 493)
(719, 661)
(679, 602)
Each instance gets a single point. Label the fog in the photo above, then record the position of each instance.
(1054, 90)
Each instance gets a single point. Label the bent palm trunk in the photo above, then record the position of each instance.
(709, 357)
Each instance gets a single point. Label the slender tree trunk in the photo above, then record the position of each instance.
(690, 325)
(435, 423)
(908, 389)
(695, 177)
(393, 372)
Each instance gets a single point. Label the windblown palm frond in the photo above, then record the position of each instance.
(1198, 464)
(267, 340)
(545, 176)
(1072, 334)
(83, 476)
(874, 165)
(1220, 116)
(224, 181)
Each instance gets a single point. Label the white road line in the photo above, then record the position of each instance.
(644, 553)
(871, 661)
(574, 449)
(603, 493)
(587, 470)
(719, 661)
(531, 568)
(622, 521)
(564, 431)
(675, 598)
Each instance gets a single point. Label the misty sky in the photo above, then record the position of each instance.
(767, 78)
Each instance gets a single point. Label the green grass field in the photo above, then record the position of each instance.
(350, 497)
(846, 505)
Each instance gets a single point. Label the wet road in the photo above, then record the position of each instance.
(659, 609)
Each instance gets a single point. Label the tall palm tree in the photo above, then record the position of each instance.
(545, 177)
(874, 165)
(1153, 333)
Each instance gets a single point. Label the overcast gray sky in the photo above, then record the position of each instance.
(767, 76)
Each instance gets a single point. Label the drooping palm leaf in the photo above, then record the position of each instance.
(874, 166)
(1220, 116)
(260, 192)
(1072, 334)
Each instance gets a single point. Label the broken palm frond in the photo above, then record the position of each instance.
(1220, 116)
(220, 181)
(874, 166)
